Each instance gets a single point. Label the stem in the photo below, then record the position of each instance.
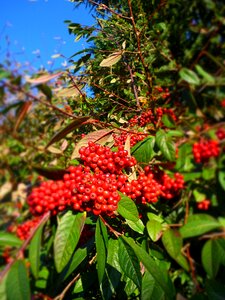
(44, 219)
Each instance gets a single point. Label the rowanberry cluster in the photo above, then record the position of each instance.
(205, 149)
(23, 230)
(220, 133)
(95, 186)
(120, 139)
(150, 117)
(163, 92)
(99, 157)
(204, 205)
(151, 185)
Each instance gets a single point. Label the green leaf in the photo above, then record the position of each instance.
(206, 76)
(154, 229)
(35, 251)
(161, 277)
(199, 224)
(209, 173)
(127, 208)
(215, 290)
(101, 240)
(8, 239)
(66, 238)
(211, 258)
(4, 74)
(50, 173)
(144, 150)
(137, 226)
(17, 282)
(189, 76)
(221, 177)
(165, 144)
(168, 121)
(129, 262)
(79, 256)
(172, 241)
(3, 287)
(63, 132)
(199, 196)
(150, 289)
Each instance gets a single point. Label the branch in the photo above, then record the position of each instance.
(147, 73)
(35, 98)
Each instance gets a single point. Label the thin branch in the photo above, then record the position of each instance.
(62, 295)
(137, 34)
(19, 253)
(35, 98)
(116, 233)
(103, 6)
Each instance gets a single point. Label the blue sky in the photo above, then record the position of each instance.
(31, 31)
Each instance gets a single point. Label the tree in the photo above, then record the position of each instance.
(129, 204)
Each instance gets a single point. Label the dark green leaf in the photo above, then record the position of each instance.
(8, 239)
(150, 289)
(50, 173)
(221, 177)
(211, 258)
(199, 224)
(144, 150)
(161, 277)
(101, 240)
(165, 144)
(127, 208)
(46, 90)
(129, 263)
(215, 290)
(35, 251)
(69, 128)
(168, 121)
(66, 238)
(17, 282)
(172, 241)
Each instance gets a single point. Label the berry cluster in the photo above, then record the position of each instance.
(204, 205)
(101, 158)
(151, 185)
(152, 117)
(120, 139)
(23, 230)
(95, 186)
(205, 149)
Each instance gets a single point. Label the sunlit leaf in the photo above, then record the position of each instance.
(22, 113)
(9, 239)
(154, 229)
(165, 144)
(189, 76)
(111, 60)
(127, 208)
(67, 236)
(42, 78)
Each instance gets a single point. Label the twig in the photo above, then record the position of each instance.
(214, 235)
(62, 295)
(103, 6)
(29, 95)
(137, 34)
(44, 218)
(116, 233)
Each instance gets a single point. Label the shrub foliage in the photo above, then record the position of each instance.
(113, 170)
